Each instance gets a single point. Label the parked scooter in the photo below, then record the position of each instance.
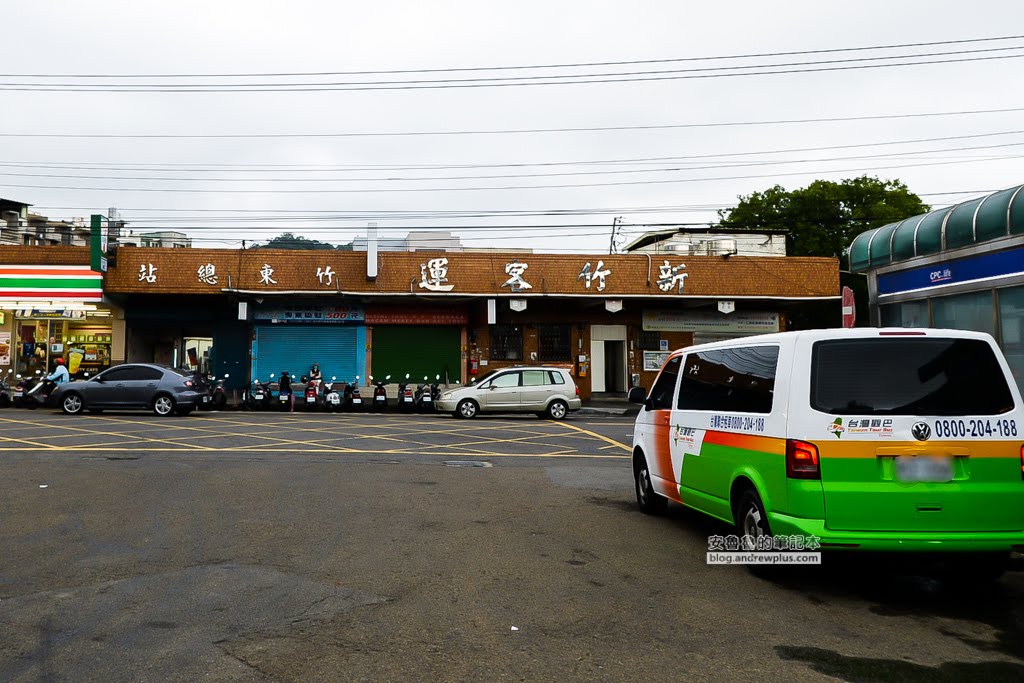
(259, 395)
(332, 397)
(284, 396)
(380, 394)
(427, 395)
(406, 400)
(33, 392)
(311, 394)
(5, 390)
(218, 398)
(352, 400)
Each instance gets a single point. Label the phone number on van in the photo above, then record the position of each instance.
(975, 428)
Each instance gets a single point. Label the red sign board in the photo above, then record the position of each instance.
(415, 316)
(849, 308)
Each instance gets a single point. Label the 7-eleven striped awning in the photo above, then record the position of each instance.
(49, 283)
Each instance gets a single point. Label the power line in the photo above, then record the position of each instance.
(525, 67)
(720, 124)
(530, 175)
(587, 79)
(488, 188)
(201, 167)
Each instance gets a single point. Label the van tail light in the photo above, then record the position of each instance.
(577, 391)
(802, 460)
(1022, 461)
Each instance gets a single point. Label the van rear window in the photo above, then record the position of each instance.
(908, 376)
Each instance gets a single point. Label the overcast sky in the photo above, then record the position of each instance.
(290, 178)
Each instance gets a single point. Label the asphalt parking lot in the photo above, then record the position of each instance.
(305, 547)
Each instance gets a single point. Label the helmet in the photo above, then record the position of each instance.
(60, 361)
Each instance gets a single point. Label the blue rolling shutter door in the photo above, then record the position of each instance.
(294, 348)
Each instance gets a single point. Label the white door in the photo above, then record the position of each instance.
(597, 382)
(599, 334)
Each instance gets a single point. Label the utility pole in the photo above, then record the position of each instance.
(616, 223)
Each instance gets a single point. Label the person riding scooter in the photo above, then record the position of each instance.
(60, 374)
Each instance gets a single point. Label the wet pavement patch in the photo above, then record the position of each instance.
(870, 670)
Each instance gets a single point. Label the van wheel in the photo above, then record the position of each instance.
(649, 502)
(466, 409)
(751, 518)
(557, 410)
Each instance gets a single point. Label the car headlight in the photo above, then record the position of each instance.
(446, 396)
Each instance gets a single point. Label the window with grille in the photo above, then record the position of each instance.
(649, 341)
(554, 343)
(506, 342)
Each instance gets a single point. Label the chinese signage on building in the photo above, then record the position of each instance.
(326, 314)
(711, 321)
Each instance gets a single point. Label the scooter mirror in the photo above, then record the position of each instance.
(407, 375)
(387, 377)
(18, 376)
(437, 377)
(371, 377)
(272, 375)
(226, 375)
(333, 377)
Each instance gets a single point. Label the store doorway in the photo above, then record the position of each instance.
(608, 359)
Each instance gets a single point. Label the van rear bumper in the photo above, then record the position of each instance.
(905, 541)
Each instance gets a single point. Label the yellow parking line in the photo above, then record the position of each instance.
(100, 433)
(606, 439)
(325, 451)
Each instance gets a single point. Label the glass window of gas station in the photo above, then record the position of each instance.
(1000, 312)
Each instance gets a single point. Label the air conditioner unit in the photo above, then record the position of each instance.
(684, 248)
(726, 247)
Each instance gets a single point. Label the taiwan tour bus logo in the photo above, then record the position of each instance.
(837, 427)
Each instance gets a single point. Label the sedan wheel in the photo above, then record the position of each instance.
(72, 404)
(163, 405)
(467, 409)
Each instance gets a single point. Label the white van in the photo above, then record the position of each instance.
(881, 439)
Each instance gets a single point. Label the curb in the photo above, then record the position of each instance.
(619, 412)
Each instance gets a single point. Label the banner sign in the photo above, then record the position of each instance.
(415, 316)
(50, 283)
(654, 360)
(5, 348)
(751, 322)
(311, 313)
(984, 267)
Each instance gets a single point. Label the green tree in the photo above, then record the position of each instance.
(290, 241)
(823, 218)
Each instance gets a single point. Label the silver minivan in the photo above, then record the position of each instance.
(549, 392)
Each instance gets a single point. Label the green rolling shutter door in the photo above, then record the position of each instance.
(418, 350)
(294, 348)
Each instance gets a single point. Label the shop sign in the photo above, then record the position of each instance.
(325, 276)
(600, 274)
(670, 276)
(613, 305)
(61, 313)
(709, 321)
(516, 282)
(434, 275)
(983, 267)
(654, 360)
(207, 274)
(409, 316)
(147, 273)
(312, 313)
(48, 283)
(267, 275)
(517, 305)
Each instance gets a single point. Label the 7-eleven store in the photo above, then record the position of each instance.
(55, 311)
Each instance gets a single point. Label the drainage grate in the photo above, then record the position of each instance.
(467, 463)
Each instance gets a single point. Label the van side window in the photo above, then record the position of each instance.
(739, 380)
(665, 385)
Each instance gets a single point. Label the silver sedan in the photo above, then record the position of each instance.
(549, 392)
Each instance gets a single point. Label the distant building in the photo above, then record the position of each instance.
(20, 226)
(165, 239)
(710, 241)
(427, 240)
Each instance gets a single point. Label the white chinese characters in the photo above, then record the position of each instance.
(669, 277)
(147, 273)
(516, 282)
(599, 274)
(325, 274)
(434, 275)
(207, 274)
(267, 275)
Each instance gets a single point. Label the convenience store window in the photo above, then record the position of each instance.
(84, 344)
